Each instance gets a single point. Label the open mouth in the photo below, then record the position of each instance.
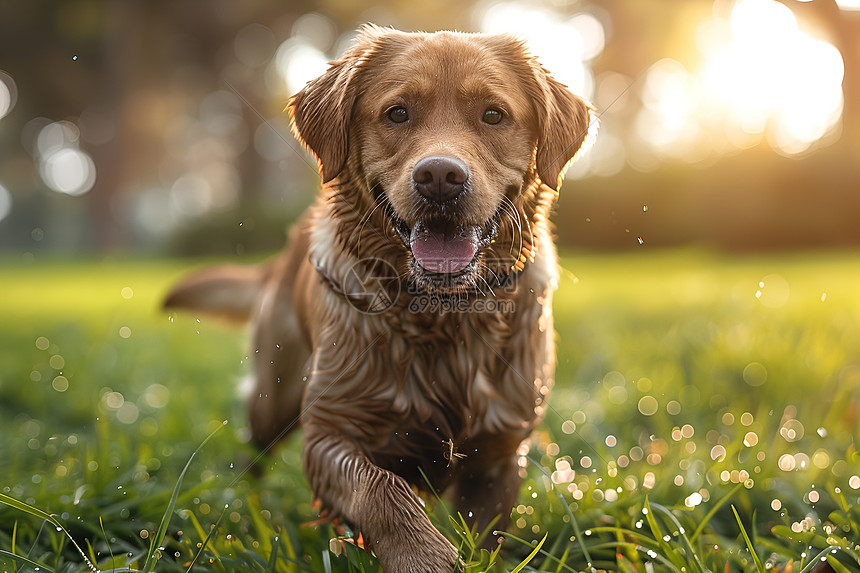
(442, 249)
(445, 253)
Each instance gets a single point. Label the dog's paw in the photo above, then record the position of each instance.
(426, 554)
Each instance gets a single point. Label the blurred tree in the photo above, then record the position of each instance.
(135, 66)
(131, 73)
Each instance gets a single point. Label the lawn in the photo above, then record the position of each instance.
(705, 418)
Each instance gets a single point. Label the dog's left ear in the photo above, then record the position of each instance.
(320, 112)
(564, 123)
(563, 120)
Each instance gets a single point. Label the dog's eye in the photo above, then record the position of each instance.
(493, 116)
(398, 114)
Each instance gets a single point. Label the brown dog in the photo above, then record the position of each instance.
(408, 325)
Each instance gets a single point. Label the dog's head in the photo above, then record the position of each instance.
(450, 132)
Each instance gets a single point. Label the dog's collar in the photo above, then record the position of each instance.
(373, 305)
(357, 302)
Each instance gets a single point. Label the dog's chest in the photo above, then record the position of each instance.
(458, 385)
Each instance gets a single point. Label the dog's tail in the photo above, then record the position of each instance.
(228, 292)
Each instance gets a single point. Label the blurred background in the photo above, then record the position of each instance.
(157, 127)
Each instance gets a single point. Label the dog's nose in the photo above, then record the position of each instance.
(440, 177)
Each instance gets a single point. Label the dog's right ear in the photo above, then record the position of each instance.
(320, 113)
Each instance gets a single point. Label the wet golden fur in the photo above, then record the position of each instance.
(404, 386)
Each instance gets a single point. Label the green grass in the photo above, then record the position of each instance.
(694, 426)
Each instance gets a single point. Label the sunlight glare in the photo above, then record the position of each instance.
(563, 46)
(769, 73)
(848, 5)
(761, 77)
(297, 62)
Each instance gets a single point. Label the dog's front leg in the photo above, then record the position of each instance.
(377, 502)
(485, 492)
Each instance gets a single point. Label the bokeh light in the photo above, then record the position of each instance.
(254, 45)
(8, 94)
(68, 170)
(305, 54)
(62, 166)
(5, 202)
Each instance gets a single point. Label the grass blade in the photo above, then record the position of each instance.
(26, 561)
(522, 541)
(667, 550)
(836, 565)
(687, 545)
(203, 545)
(531, 555)
(827, 554)
(713, 511)
(110, 549)
(758, 565)
(559, 539)
(633, 536)
(273, 557)
(561, 560)
(36, 512)
(158, 538)
(576, 531)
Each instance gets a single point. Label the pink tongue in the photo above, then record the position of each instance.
(439, 253)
